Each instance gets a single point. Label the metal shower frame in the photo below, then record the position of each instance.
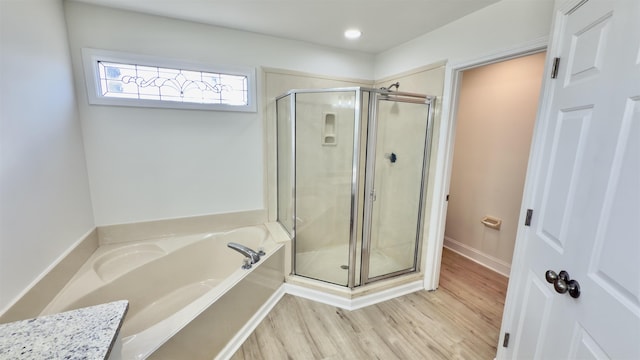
(375, 95)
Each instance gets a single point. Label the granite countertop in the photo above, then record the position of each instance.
(87, 333)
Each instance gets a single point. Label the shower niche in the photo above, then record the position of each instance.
(352, 170)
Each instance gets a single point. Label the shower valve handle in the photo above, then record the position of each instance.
(392, 157)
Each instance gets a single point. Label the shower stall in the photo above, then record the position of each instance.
(352, 169)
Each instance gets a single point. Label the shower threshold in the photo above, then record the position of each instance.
(382, 289)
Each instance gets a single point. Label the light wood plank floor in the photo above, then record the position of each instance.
(460, 320)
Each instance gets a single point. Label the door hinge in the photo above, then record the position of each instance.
(554, 69)
(505, 342)
(527, 219)
(447, 197)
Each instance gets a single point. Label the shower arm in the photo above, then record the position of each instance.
(389, 88)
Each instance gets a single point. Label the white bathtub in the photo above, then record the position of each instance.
(171, 282)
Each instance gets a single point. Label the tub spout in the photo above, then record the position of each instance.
(251, 255)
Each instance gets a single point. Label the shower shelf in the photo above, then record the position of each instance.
(329, 129)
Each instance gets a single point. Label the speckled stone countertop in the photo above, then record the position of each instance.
(87, 333)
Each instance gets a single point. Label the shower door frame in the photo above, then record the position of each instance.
(354, 171)
(375, 95)
(369, 198)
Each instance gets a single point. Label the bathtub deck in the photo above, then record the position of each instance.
(461, 320)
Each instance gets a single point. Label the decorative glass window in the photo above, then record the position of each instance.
(132, 80)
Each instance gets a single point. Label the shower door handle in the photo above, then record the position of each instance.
(373, 195)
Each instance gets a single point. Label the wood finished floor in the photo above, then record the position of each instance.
(460, 320)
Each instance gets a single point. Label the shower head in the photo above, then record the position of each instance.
(390, 87)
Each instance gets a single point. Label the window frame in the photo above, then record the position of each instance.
(91, 57)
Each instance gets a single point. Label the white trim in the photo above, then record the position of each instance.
(385, 295)
(352, 304)
(453, 72)
(488, 261)
(318, 296)
(90, 58)
(249, 327)
(524, 49)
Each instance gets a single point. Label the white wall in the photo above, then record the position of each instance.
(497, 27)
(496, 112)
(44, 194)
(149, 164)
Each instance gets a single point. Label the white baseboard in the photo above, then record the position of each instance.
(236, 342)
(353, 304)
(388, 294)
(316, 295)
(477, 256)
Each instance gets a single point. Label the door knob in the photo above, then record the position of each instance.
(574, 289)
(563, 275)
(562, 283)
(560, 286)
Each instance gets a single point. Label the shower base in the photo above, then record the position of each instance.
(330, 263)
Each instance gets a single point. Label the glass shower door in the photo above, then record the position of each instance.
(324, 146)
(396, 188)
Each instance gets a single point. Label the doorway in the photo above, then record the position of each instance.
(495, 115)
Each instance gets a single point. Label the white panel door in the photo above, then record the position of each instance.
(584, 188)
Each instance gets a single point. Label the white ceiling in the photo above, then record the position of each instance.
(384, 23)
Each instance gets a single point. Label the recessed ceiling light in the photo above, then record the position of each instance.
(352, 34)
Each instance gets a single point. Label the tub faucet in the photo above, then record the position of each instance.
(251, 255)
